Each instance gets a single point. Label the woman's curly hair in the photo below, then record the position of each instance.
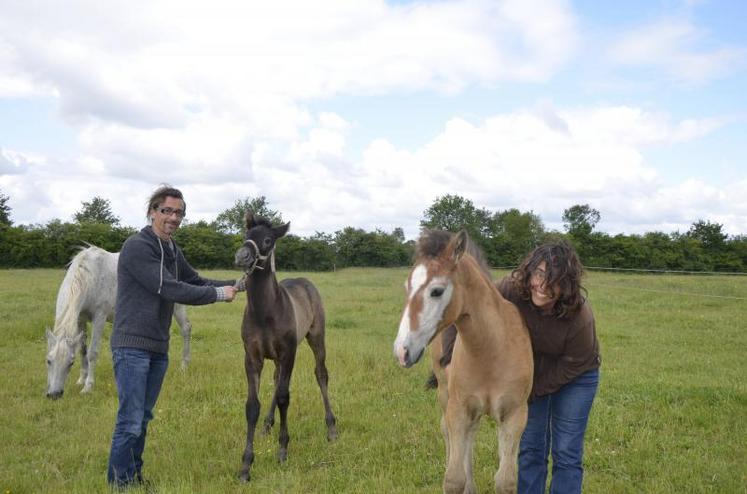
(563, 274)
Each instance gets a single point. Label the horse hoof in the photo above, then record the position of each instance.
(266, 429)
(86, 390)
(283, 455)
(244, 476)
(332, 435)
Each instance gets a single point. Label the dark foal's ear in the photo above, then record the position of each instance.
(459, 245)
(280, 231)
(249, 219)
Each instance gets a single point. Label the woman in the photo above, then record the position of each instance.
(547, 290)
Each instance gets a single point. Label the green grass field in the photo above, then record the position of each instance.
(670, 416)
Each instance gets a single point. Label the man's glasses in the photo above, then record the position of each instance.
(169, 211)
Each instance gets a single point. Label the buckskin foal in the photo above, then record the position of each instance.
(278, 316)
(491, 367)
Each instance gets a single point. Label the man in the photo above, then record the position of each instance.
(152, 275)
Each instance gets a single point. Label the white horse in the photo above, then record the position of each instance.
(88, 293)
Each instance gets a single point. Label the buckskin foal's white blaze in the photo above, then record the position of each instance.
(88, 293)
(491, 367)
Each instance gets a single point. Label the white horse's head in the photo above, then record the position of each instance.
(60, 357)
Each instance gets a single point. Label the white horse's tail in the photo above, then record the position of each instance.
(78, 279)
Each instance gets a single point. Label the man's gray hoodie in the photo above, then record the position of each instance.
(152, 274)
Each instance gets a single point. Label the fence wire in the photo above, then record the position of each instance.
(669, 292)
(656, 271)
(640, 270)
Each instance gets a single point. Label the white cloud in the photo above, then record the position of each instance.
(509, 160)
(195, 93)
(12, 163)
(524, 159)
(679, 48)
(216, 98)
(638, 127)
(676, 207)
(147, 67)
(15, 83)
(206, 150)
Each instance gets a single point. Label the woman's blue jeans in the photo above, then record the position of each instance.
(557, 424)
(139, 375)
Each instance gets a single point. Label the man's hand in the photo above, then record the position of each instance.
(229, 292)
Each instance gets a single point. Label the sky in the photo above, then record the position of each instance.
(364, 113)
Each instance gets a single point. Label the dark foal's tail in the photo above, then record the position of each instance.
(448, 337)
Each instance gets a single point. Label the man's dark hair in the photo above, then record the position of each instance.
(160, 195)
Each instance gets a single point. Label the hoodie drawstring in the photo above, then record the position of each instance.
(160, 283)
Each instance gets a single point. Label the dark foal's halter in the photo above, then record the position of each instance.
(257, 258)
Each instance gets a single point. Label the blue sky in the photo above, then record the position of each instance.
(364, 113)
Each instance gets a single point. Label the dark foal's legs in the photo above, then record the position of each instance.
(253, 373)
(282, 398)
(270, 418)
(316, 342)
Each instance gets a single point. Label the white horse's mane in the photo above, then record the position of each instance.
(79, 280)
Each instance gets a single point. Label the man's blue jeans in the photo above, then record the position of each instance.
(557, 424)
(139, 375)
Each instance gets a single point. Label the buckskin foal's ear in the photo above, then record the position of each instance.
(249, 219)
(280, 231)
(459, 245)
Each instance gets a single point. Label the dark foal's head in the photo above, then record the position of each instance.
(259, 242)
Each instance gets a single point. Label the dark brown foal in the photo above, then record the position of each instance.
(278, 316)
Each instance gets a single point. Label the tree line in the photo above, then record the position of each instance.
(505, 237)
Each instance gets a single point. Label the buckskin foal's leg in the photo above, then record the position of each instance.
(253, 373)
(462, 425)
(509, 436)
(442, 388)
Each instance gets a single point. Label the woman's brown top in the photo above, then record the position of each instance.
(564, 348)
